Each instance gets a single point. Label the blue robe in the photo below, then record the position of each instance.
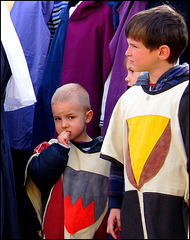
(9, 220)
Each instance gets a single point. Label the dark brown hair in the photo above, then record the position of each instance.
(158, 26)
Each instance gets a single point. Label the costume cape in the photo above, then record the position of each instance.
(77, 204)
(144, 135)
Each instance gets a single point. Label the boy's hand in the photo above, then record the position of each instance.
(64, 138)
(114, 222)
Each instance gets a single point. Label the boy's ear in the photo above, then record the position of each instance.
(89, 116)
(164, 52)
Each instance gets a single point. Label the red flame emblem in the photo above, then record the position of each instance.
(77, 217)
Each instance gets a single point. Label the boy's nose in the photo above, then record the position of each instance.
(64, 124)
(127, 53)
(127, 78)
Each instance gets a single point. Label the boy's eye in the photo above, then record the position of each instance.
(133, 45)
(71, 117)
(57, 119)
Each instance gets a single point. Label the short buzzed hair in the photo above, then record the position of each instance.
(72, 92)
(157, 26)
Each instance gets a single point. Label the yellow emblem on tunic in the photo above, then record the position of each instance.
(144, 133)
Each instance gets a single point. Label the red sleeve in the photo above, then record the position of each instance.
(41, 147)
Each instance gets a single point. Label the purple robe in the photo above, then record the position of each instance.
(118, 47)
(87, 58)
(30, 21)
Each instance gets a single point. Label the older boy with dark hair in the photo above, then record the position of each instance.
(147, 138)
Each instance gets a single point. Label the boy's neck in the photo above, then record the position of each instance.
(156, 73)
(84, 138)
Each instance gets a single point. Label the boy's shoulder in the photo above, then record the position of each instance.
(44, 145)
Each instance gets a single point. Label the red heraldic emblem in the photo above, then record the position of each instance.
(76, 217)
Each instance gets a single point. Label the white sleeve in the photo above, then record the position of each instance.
(115, 139)
(104, 98)
(20, 91)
